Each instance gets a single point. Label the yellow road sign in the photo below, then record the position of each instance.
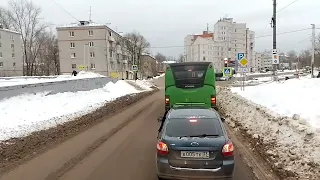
(81, 67)
(244, 62)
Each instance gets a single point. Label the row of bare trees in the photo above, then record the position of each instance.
(39, 43)
(304, 57)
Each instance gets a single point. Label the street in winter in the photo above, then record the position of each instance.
(148, 90)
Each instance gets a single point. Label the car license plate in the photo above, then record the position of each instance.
(195, 154)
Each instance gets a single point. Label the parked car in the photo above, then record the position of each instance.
(193, 143)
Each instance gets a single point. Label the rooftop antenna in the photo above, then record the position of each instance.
(90, 14)
(207, 27)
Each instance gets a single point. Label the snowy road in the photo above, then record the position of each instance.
(120, 147)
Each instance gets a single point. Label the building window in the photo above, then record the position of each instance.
(91, 44)
(12, 46)
(93, 66)
(73, 55)
(14, 64)
(110, 33)
(91, 33)
(204, 58)
(73, 66)
(72, 45)
(11, 37)
(71, 33)
(1, 64)
(12, 55)
(0, 44)
(92, 55)
(0, 54)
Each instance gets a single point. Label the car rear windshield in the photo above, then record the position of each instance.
(191, 76)
(193, 127)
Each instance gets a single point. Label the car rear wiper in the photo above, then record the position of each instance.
(204, 135)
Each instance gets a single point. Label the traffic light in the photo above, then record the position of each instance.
(225, 63)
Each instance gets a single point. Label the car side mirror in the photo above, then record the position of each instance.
(223, 119)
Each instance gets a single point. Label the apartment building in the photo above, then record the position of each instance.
(95, 47)
(233, 38)
(11, 59)
(228, 39)
(267, 60)
(201, 47)
(148, 65)
(257, 61)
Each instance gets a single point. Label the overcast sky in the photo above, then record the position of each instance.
(167, 22)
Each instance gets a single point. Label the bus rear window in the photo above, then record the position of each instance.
(189, 76)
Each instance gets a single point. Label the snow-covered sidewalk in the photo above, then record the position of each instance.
(285, 118)
(24, 114)
(22, 80)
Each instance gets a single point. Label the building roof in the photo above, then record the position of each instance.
(10, 31)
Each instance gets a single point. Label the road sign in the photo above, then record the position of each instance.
(275, 51)
(243, 62)
(81, 67)
(275, 59)
(240, 56)
(243, 70)
(134, 68)
(227, 71)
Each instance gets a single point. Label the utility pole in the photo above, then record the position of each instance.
(274, 20)
(313, 47)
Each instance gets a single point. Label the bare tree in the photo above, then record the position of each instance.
(5, 18)
(136, 44)
(180, 58)
(305, 58)
(25, 18)
(160, 57)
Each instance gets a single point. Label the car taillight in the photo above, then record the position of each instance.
(167, 100)
(227, 149)
(213, 100)
(162, 148)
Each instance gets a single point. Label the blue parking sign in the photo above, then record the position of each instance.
(240, 56)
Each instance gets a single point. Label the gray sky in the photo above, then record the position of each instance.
(167, 22)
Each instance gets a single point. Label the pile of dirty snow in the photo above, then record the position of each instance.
(21, 115)
(291, 146)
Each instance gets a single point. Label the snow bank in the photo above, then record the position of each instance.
(157, 77)
(294, 97)
(42, 79)
(289, 144)
(24, 114)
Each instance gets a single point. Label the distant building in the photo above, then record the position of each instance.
(228, 39)
(267, 60)
(11, 59)
(257, 61)
(95, 47)
(148, 65)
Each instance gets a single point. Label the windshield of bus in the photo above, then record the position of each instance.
(189, 76)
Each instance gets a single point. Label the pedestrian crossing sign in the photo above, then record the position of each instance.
(227, 71)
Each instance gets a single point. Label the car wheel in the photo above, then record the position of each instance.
(159, 178)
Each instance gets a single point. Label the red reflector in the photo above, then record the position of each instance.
(228, 149)
(162, 148)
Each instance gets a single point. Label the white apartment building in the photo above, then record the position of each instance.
(257, 61)
(95, 47)
(233, 38)
(267, 60)
(11, 59)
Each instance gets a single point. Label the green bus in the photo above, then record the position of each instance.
(190, 83)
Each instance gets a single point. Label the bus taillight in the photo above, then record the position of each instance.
(167, 100)
(213, 100)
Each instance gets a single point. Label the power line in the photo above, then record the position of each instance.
(257, 37)
(287, 5)
(282, 9)
(65, 10)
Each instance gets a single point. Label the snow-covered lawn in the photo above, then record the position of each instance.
(24, 114)
(267, 73)
(285, 116)
(21, 80)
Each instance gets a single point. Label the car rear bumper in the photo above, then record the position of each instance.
(166, 171)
